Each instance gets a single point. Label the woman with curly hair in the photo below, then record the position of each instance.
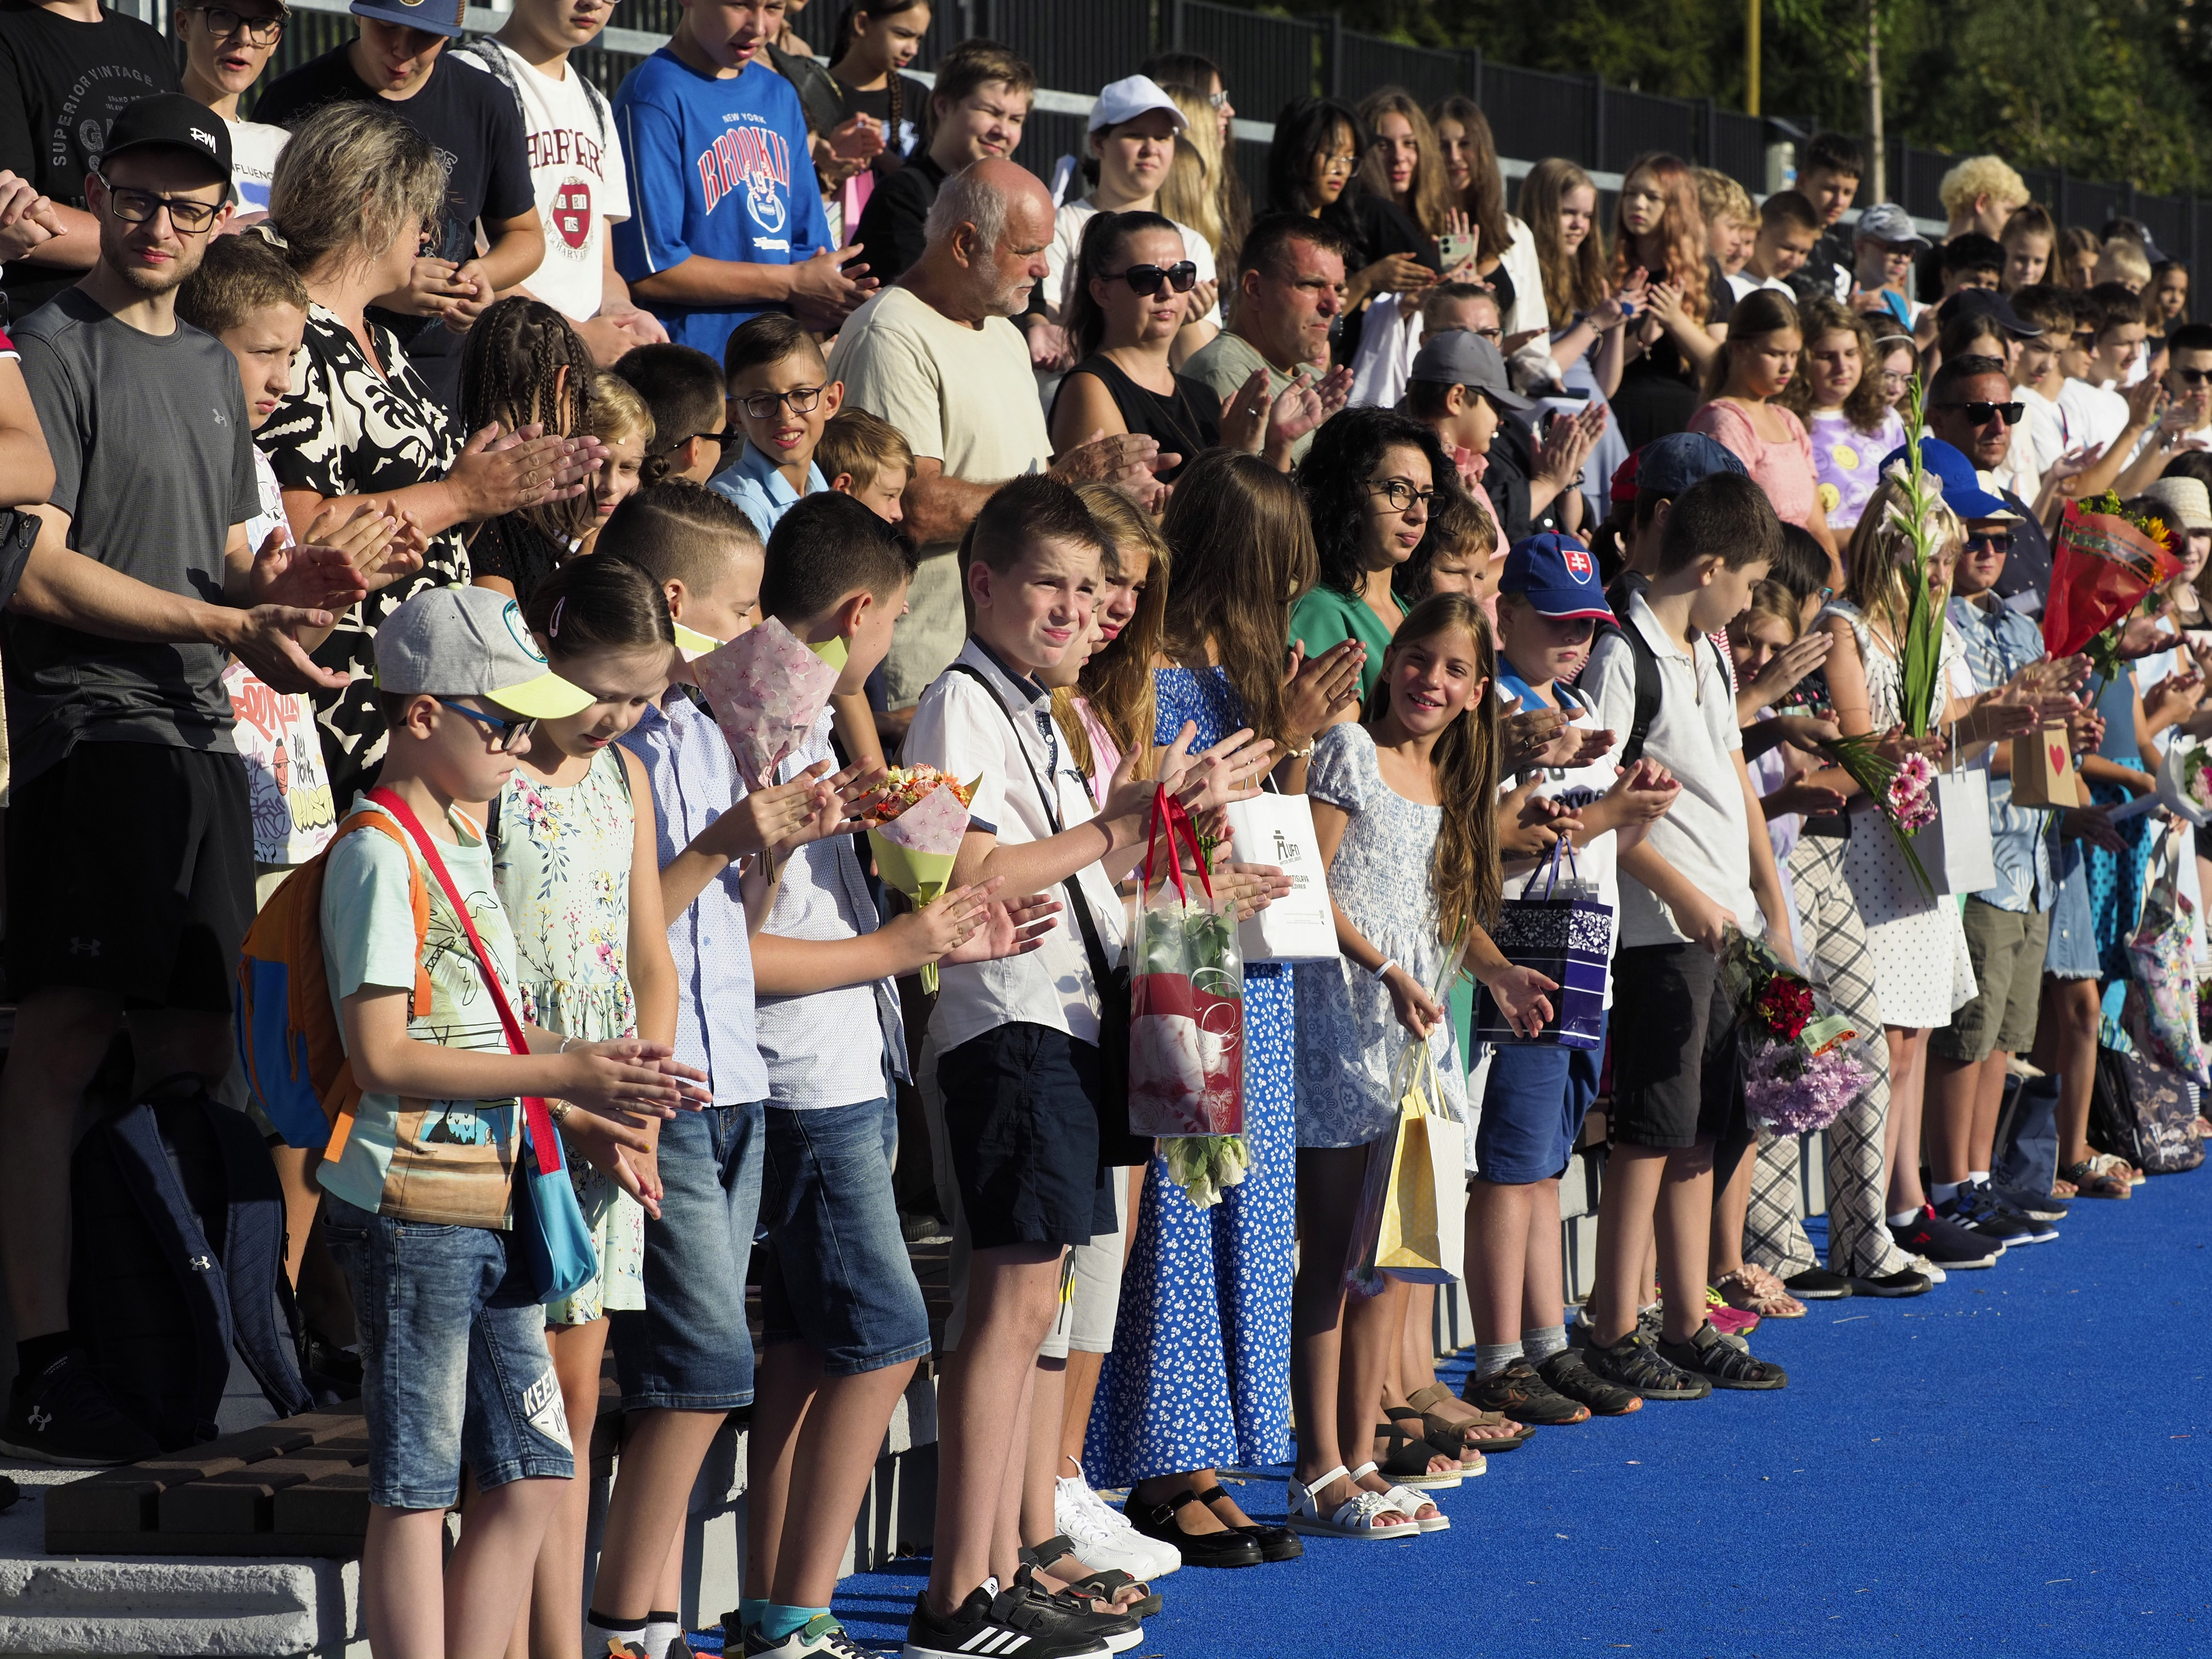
(1660, 260)
(1837, 393)
(1368, 481)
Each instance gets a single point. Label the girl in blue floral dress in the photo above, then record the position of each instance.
(1198, 1379)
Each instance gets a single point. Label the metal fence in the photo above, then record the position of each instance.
(1267, 61)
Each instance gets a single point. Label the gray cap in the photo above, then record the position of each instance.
(1886, 222)
(1460, 357)
(470, 643)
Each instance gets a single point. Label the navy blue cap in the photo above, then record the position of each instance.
(1668, 465)
(1987, 302)
(446, 17)
(1954, 474)
(1557, 577)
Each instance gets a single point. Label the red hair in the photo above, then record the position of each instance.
(1680, 231)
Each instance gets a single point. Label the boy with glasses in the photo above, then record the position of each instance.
(781, 394)
(68, 68)
(225, 49)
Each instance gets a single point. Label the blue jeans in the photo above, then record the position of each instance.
(688, 1349)
(453, 1358)
(837, 1274)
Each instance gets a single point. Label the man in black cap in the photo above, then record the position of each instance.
(67, 69)
(129, 847)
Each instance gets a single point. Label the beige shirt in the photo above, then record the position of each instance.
(960, 396)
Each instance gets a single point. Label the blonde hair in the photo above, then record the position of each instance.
(1116, 683)
(857, 445)
(616, 411)
(1573, 283)
(2124, 260)
(1718, 195)
(1773, 602)
(1189, 194)
(1881, 551)
(311, 201)
(1981, 175)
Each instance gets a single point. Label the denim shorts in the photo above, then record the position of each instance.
(688, 1348)
(2072, 952)
(1021, 1116)
(454, 1364)
(1532, 1111)
(836, 1273)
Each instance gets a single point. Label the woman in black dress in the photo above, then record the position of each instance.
(1683, 299)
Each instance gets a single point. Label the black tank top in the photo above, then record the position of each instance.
(1184, 422)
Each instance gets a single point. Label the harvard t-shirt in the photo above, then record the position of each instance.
(718, 167)
(472, 122)
(62, 83)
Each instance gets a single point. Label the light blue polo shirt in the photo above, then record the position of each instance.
(757, 484)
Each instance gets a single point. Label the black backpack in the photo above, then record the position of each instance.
(1647, 667)
(2140, 1110)
(177, 1258)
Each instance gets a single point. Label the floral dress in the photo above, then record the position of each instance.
(1921, 968)
(345, 429)
(1349, 1037)
(562, 861)
(1200, 1377)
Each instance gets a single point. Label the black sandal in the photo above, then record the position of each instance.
(1103, 1585)
(1407, 1461)
(1276, 1543)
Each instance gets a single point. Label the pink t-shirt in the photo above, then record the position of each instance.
(1784, 470)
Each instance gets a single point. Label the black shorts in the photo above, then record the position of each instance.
(1021, 1114)
(130, 870)
(1673, 1032)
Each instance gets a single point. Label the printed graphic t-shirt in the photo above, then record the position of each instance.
(720, 169)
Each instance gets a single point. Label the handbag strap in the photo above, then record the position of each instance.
(543, 1142)
(1093, 946)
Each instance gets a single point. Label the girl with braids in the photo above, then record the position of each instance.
(1127, 299)
(1200, 1375)
(575, 858)
(528, 366)
(875, 42)
(1505, 246)
(1660, 263)
(355, 192)
(1404, 811)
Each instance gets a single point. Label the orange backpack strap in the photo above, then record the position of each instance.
(418, 897)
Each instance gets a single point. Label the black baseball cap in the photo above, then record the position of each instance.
(172, 121)
(1987, 302)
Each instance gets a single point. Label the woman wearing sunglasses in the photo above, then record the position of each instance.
(1130, 296)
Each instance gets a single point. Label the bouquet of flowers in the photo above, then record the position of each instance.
(2185, 782)
(914, 827)
(767, 691)
(2105, 563)
(1797, 1076)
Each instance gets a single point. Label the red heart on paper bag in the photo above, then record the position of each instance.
(2057, 757)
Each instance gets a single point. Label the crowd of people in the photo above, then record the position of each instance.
(378, 468)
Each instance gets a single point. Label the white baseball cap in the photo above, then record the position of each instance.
(1126, 100)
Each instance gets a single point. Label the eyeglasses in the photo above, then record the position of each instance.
(136, 207)
(2086, 337)
(716, 438)
(1979, 414)
(1150, 280)
(222, 23)
(505, 733)
(1890, 377)
(1997, 541)
(1338, 163)
(763, 405)
(1401, 494)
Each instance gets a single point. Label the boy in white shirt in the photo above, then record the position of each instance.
(1704, 867)
(576, 167)
(1549, 605)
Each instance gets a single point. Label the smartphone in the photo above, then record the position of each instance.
(1454, 248)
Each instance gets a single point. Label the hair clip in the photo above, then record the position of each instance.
(553, 622)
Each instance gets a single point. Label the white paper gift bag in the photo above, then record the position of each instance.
(1956, 850)
(1279, 829)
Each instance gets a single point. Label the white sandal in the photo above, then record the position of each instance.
(1357, 1518)
(1407, 1501)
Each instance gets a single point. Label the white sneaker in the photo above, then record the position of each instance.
(1920, 1264)
(1103, 1535)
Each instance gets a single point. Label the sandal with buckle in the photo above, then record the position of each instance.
(2092, 1180)
(1478, 1433)
(1276, 1543)
(1105, 1585)
(1361, 1516)
(1407, 1458)
(1407, 1502)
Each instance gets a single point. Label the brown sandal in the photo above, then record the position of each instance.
(2092, 1180)
(1447, 1433)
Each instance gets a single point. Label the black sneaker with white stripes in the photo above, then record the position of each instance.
(999, 1625)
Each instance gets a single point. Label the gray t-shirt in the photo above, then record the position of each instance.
(154, 463)
(1226, 361)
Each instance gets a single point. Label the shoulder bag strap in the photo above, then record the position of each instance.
(544, 1143)
(1093, 946)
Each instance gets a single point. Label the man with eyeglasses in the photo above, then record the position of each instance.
(1971, 407)
(225, 49)
(68, 68)
(130, 840)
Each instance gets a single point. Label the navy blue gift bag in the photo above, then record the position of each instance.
(1566, 935)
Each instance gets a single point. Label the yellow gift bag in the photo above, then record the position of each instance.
(1412, 1212)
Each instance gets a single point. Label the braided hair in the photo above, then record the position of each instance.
(524, 365)
(848, 31)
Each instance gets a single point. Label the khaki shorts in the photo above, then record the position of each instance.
(2007, 950)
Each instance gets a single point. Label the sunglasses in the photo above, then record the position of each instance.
(1152, 280)
(2191, 376)
(1995, 540)
(505, 733)
(1979, 414)
(137, 207)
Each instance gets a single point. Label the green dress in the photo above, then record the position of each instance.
(561, 863)
(1324, 616)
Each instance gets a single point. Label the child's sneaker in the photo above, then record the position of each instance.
(1104, 1539)
(1944, 1242)
(1706, 1355)
(997, 1622)
(820, 1637)
(1524, 1395)
(1634, 1363)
